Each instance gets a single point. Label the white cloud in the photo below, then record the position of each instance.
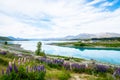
(109, 3)
(27, 18)
(95, 2)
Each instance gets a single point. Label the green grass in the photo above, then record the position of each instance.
(55, 74)
(93, 77)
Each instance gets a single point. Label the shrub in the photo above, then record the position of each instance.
(6, 43)
(39, 50)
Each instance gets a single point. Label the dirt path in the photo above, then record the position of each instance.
(75, 77)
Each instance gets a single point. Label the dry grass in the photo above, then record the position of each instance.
(76, 76)
(55, 74)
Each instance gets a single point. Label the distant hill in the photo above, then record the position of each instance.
(82, 36)
(89, 36)
(5, 38)
(10, 38)
(17, 39)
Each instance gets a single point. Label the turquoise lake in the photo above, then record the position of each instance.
(107, 56)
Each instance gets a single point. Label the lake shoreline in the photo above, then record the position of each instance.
(85, 47)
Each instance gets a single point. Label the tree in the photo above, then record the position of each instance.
(39, 50)
(82, 44)
(39, 44)
(6, 43)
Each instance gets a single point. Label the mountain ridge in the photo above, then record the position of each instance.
(70, 37)
(89, 36)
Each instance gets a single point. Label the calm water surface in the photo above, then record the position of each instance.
(109, 56)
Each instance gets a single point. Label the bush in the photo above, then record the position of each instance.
(39, 50)
(6, 43)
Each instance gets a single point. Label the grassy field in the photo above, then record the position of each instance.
(52, 73)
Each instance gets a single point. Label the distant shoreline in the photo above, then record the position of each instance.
(97, 48)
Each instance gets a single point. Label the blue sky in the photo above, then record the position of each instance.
(58, 18)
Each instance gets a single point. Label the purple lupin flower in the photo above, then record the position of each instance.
(39, 68)
(101, 68)
(2, 72)
(31, 69)
(117, 72)
(15, 68)
(34, 68)
(10, 66)
(48, 61)
(7, 71)
(3, 53)
(42, 67)
(42, 59)
(66, 66)
(58, 62)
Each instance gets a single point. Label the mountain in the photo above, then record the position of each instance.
(5, 38)
(17, 39)
(107, 35)
(12, 38)
(45, 39)
(89, 36)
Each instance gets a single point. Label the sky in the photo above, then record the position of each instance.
(58, 18)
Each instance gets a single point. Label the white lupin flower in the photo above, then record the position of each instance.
(10, 63)
(13, 61)
(19, 61)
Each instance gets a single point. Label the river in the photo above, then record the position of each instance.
(107, 56)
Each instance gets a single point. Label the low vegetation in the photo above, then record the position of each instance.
(89, 44)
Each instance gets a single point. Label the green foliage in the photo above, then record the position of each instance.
(79, 44)
(6, 43)
(108, 43)
(4, 38)
(39, 44)
(3, 62)
(82, 44)
(42, 53)
(51, 65)
(22, 74)
(64, 75)
(39, 50)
